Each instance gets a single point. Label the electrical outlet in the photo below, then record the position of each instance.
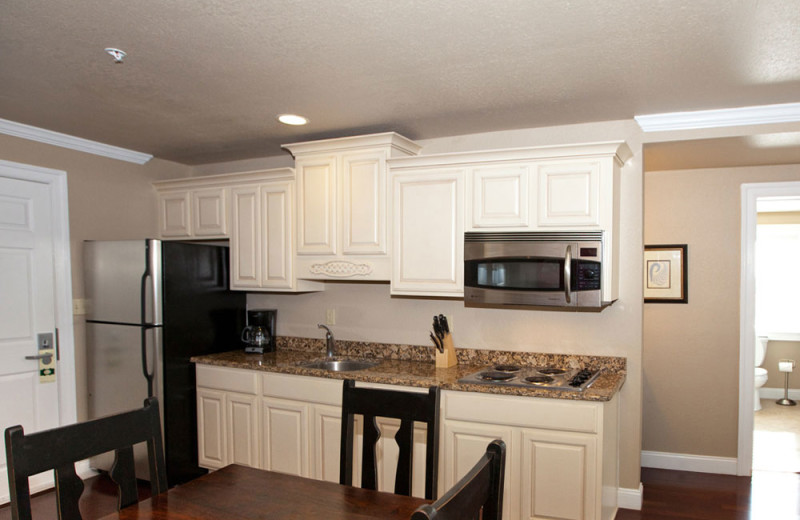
(79, 307)
(330, 317)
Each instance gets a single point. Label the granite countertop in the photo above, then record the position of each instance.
(409, 365)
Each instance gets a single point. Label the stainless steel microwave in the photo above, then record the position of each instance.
(537, 269)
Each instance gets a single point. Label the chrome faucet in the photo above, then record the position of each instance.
(330, 345)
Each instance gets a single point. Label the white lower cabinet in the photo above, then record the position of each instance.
(227, 417)
(561, 455)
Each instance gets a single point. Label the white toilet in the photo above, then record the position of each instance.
(761, 373)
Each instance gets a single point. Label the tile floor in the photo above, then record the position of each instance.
(776, 437)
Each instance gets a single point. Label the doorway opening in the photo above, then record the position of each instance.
(769, 439)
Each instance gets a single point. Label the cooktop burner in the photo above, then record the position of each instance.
(541, 377)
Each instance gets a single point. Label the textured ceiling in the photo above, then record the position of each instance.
(205, 79)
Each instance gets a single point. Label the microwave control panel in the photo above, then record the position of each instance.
(587, 276)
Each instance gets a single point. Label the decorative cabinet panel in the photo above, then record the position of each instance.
(174, 214)
(316, 181)
(211, 436)
(560, 470)
(464, 443)
(284, 436)
(428, 219)
(569, 194)
(210, 212)
(500, 197)
(343, 228)
(241, 423)
(185, 212)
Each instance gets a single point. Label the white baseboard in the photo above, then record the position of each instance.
(630, 498)
(687, 462)
(777, 393)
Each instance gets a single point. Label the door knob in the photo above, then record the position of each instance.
(44, 357)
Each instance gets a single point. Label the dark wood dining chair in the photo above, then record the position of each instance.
(60, 448)
(479, 491)
(409, 407)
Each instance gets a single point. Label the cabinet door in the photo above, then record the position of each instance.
(326, 431)
(276, 236)
(246, 238)
(210, 212)
(174, 212)
(316, 194)
(428, 219)
(242, 429)
(558, 475)
(284, 432)
(569, 194)
(500, 197)
(211, 443)
(465, 443)
(364, 203)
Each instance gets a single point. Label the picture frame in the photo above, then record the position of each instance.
(665, 274)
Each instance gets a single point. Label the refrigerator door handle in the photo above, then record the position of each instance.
(148, 373)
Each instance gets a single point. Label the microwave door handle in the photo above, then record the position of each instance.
(568, 274)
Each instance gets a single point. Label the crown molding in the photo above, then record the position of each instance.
(765, 114)
(41, 135)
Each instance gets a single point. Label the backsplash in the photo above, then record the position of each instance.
(360, 349)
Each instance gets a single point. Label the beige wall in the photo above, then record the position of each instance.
(108, 199)
(366, 312)
(776, 351)
(691, 352)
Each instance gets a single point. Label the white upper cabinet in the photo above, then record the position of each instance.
(195, 208)
(428, 217)
(262, 234)
(554, 188)
(255, 210)
(342, 213)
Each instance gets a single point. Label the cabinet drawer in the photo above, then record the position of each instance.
(526, 412)
(229, 379)
(301, 388)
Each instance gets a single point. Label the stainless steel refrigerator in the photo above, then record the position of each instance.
(151, 306)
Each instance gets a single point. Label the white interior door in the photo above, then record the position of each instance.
(27, 308)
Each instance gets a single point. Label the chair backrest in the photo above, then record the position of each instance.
(479, 491)
(409, 407)
(58, 449)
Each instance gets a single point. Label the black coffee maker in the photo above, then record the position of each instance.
(259, 334)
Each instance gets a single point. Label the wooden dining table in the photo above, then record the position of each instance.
(239, 492)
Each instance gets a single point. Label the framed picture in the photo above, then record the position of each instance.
(665, 276)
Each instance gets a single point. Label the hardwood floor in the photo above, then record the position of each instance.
(99, 498)
(667, 494)
(703, 496)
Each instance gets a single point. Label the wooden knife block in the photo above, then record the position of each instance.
(447, 358)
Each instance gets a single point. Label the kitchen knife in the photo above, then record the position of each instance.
(438, 343)
(437, 327)
(443, 324)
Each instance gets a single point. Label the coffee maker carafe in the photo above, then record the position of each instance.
(259, 334)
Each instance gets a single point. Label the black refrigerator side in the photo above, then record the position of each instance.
(200, 316)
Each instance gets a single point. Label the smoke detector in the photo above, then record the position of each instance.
(117, 54)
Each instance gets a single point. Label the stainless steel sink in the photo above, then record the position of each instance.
(340, 365)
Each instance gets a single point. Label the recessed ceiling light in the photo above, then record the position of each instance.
(117, 54)
(292, 119)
